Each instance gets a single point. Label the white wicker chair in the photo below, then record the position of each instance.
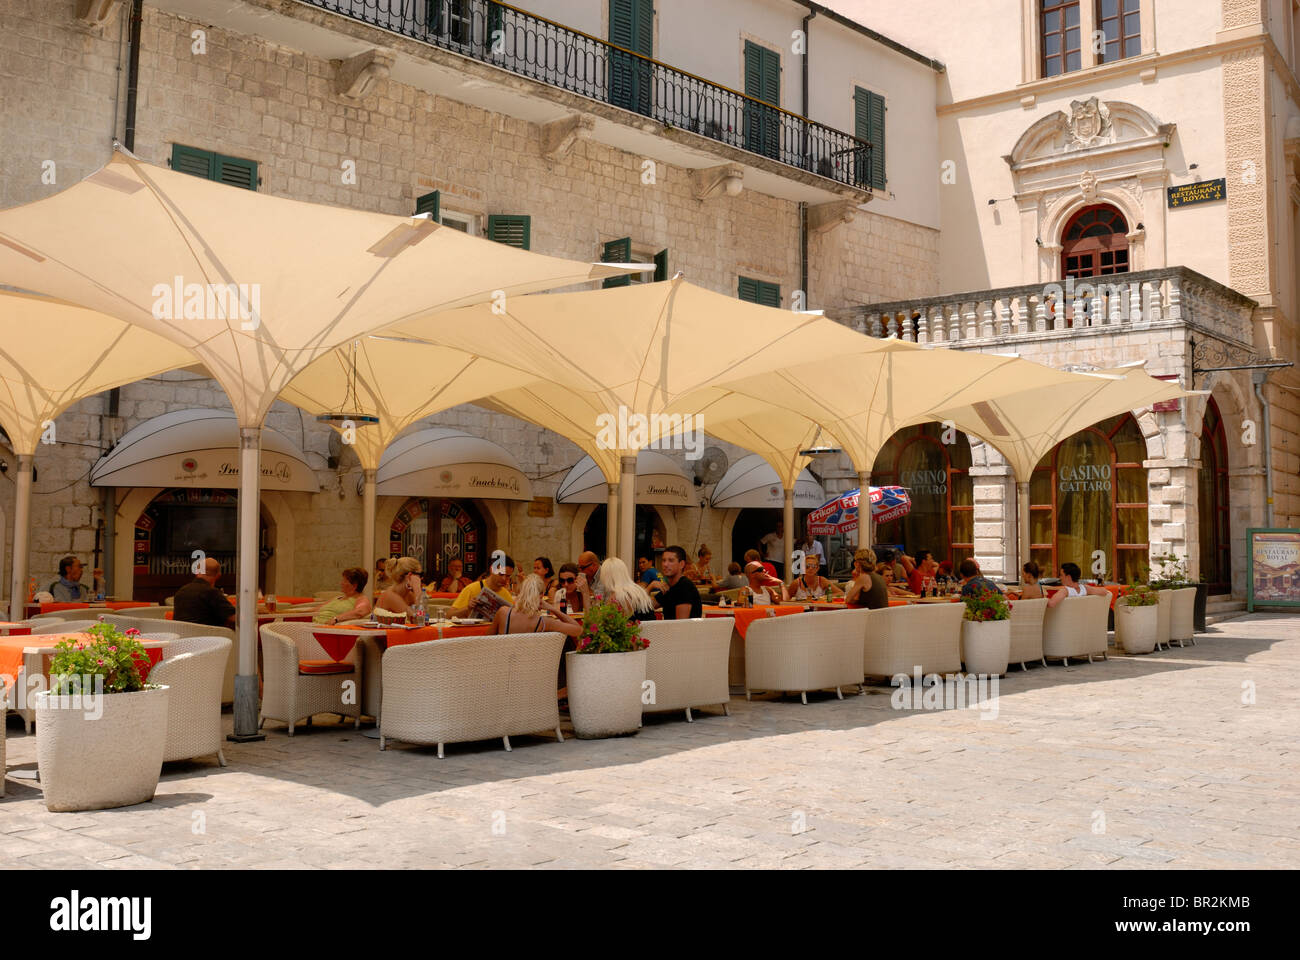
(1076, 627)
(290, 695)
(687, 662)
(183, 628)
(79, 613)
(146, 613)
(193, 668)
(46, 627)
(471, 688)
(1027, 631)
(805, 651)
(924, 636)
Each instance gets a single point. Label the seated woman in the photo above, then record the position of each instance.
(532, 614)
(763, 587)
(542, 567)
(868, 589)
(812, 585)
(1029, 588)
(700, 571)
(404, 574)
(618, 587)
(352, 605)
(733, 579)
(571, 588)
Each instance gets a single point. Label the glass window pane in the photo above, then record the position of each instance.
(1040, 488)
(1072, 61)
(1111, 29)
(963, 490)
(963, 527)
(1052, 44)
(1133, 565)
(1133, 486)
(1132, 46)
(1132, 24)
(1130, 447)
(1040, 526)
(1051, 22)
(1132, 525)
(1083, 498)
(1052, 67)
(1109, 8)
(923, 470)
(1044, 560)
(1072, 15)
(1131, 6)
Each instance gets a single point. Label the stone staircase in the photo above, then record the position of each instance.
(1223, 607)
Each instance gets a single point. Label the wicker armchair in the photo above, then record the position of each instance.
(46, 627)
(471, 688)
(923, 636)
(687, 662)
(193, 668)
(183, 628)
(1076, 627)
(805, 651)
(1027, 631)
(148, 613)
(291, 692)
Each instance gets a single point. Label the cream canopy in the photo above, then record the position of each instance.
(659, 481)
(199, 448)
(443, 462)
(751, 482)
(56, 353)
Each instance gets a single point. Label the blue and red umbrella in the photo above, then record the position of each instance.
(840, 515)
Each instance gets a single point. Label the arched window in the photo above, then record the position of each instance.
(1090, 495)
(178, 522)
(1095, 243)
(462, 536)
(937, 477)
(1212, 502)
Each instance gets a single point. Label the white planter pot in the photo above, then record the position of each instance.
(1165, 618)
(986, 646)
(90, 762)
(1136, 627)
(1182, 614)
(605, 692)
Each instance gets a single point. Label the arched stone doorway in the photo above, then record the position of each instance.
(1088, 501)
(651, 533)
(463, 535)
(933, 463)
(1213, 503)
(1095, 243)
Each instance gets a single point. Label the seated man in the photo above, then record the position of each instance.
(494, 581)
(645, 571)
(1071, 587)
(763, 587)
(455, 581)
(973, 582)
(753, 556)
(733, 579)
(69, 588)
(676, 595)
(199, 601)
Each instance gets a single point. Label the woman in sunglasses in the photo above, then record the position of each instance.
(571, 588)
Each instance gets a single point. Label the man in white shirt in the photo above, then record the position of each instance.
(774, 548)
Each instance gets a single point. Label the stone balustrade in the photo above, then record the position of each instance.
(1170, 296)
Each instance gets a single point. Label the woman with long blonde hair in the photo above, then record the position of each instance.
(532, 613)
(618, 587)
(404, 575)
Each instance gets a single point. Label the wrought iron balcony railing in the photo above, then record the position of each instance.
(533, 47)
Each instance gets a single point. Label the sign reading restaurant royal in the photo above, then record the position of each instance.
(1190, 194)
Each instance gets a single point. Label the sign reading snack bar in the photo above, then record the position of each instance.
(1190, 194)
(1273, 568)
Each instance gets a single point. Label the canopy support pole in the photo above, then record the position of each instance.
(368, 524)
(627, 512)
(787, 518)
(866, 527)
(22, 532)
(1022, 525)
(250, 475)
(611, 520)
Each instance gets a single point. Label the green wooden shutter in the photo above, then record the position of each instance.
(769, 294)
(631, 26)
(748, 290)
(430, 203)
(189, 160)
(617, 251)
(495, 22)
(869, 125)
(762, 82)
(661, 265)
(511, 229)
(433, 15)
(236, 172)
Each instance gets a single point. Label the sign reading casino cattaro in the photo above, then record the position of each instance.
(1190, 194)
(1273, 568)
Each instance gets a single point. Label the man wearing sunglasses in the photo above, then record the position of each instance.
(572, 593)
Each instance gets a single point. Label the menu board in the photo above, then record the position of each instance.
(1273, 568)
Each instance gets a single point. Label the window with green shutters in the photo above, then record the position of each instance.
(762, 82)
(430, 203)
(759, 291)
(661, 265)
(617, 251)
(215, 166)
(869, 125)
(511, 229)
(631, 27)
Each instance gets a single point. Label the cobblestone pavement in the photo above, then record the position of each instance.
(1133, 762)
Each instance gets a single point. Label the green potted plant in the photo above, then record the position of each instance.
(986, 633)
(606, 673)
(1137, 619)
(1182, 598)
(100, 730)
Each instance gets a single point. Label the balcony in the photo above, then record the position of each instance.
(671, 100)
(1077, 311)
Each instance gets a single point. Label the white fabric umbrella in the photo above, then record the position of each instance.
(659, 481)
(442, 462)
(56, 353)
(752, 483)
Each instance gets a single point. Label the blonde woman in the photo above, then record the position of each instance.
(404, 575)
(618, 587)
(701, 570)
(533, 614)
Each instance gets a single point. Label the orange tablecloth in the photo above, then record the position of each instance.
(11, 653)
(127, 604)
(56, 606)
(399, 637)
(443, 596)
(9, 629)
(746, 615)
